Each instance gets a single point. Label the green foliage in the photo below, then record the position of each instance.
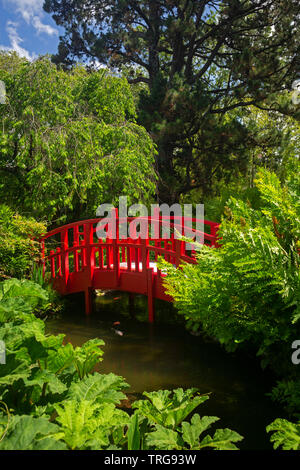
(99, 388)
(87, 356)
(202, 64)
(51, 398)
(18, 297)
(188, 438)
(69, 141)
(247, 292)
(88, 425)
(18, 249)
(286, 434)
(169, 408)
(28, 433)
(39, 368)
(133, 433)
(166, 412)
(287, 393)
(42, 278)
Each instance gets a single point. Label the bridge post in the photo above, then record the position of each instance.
(213, 231)
(150, 289)
(88, 300)
(116, 252)
(144, 255)
(76, 244)
(179, 250)
(65, 256)
(90, 265)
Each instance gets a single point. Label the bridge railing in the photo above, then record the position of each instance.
(79, 259)
(76, 246)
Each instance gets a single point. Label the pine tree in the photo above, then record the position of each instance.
(200, 60)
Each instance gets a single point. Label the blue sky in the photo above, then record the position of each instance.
(27, 29)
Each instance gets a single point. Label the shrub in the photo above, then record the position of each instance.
(248, 292)
(18, 249)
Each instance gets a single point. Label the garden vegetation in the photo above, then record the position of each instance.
(192, 105)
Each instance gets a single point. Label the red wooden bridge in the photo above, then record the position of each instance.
(79, 261)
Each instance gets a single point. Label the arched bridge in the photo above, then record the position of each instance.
(79, 261)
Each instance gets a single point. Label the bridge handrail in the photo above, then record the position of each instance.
(212, 225)
(79, 262)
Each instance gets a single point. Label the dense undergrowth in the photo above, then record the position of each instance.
(247, 294)
(52, 399)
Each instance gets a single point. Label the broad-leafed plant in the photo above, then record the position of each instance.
(166, 412)
(285, 434)
(51, 398)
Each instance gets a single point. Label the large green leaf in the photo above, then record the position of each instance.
(29, 433)
(20, 296)
(78, 424)
(286, 435)
(13, 370)
(87, 356)
(169, 408)
(192, 431)
(160, 399)
(133, 433)
(59, 359)
(53, 341)
(88, 425)
(45, 380)
(99, 387)
(32, 350)
(164, 439)
(223, 439)
(15, 334)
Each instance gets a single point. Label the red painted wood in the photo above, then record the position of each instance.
(151, 294)
(81, 262)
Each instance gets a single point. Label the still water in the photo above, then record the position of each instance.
(166, 356)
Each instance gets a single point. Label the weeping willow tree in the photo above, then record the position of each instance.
(69, 140)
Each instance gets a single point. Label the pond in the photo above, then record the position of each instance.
(165, 356)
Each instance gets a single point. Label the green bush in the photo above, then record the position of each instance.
(248, 291)
(19, 248)
(287, 393)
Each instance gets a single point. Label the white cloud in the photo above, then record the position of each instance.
(98, 64)
(15, 41)
(43, 28)
(27, 8)
(32, 12)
